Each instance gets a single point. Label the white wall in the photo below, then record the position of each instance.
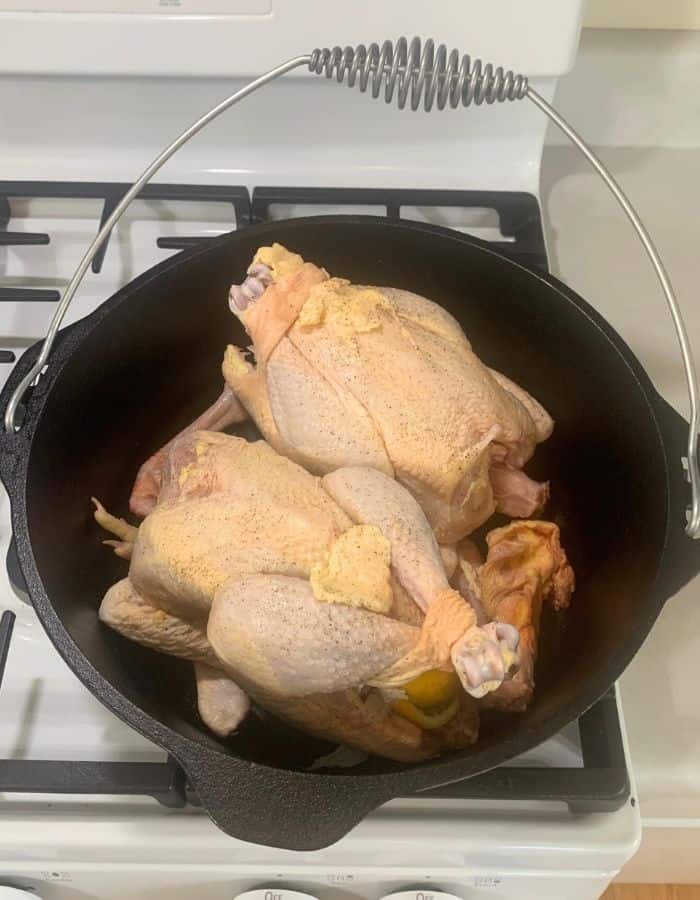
(635, 89)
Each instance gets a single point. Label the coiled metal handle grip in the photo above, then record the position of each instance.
(412, 73)
(418, 71)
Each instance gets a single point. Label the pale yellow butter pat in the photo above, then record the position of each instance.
(356, 571)
(313, 311)
(344, 308)
(279, 260)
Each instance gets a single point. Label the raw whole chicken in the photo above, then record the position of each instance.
(350, 375)
(325, 600)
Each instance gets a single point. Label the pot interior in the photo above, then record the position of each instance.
(153, 363)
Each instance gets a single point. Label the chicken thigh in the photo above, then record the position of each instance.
(326, 600)
(349, 375)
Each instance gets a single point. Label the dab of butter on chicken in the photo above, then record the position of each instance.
(353, 375)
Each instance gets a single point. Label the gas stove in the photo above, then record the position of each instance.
(88, 806)
(65, 756)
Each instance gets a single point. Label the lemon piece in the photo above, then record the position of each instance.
(426, 719)
(433, 688)
(431, 699)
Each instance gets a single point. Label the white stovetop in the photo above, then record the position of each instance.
(648, 132)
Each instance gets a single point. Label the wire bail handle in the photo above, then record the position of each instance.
(414, 74)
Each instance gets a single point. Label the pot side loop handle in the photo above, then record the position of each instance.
(410, 74)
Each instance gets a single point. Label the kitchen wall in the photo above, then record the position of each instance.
(635, 88)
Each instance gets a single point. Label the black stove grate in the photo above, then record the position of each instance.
(110, 193)
(601, 784)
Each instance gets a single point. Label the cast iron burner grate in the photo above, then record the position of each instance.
(518, 215)
(601, 784)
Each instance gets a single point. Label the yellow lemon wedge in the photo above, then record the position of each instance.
(431, 699)
(423, 718)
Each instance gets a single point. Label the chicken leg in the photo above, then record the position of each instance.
(303, 659)
(482, 657)
(273, 632)
(221, 703)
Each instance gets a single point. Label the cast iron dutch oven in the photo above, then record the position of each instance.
(142, 365)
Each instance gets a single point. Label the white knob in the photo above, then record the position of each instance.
(10, 893)
(273, 893)
(421, 894)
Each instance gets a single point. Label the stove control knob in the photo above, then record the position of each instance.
(274, 893)
(427, 893)
(13, 893)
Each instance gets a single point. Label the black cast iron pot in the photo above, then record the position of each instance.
(141, 366)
